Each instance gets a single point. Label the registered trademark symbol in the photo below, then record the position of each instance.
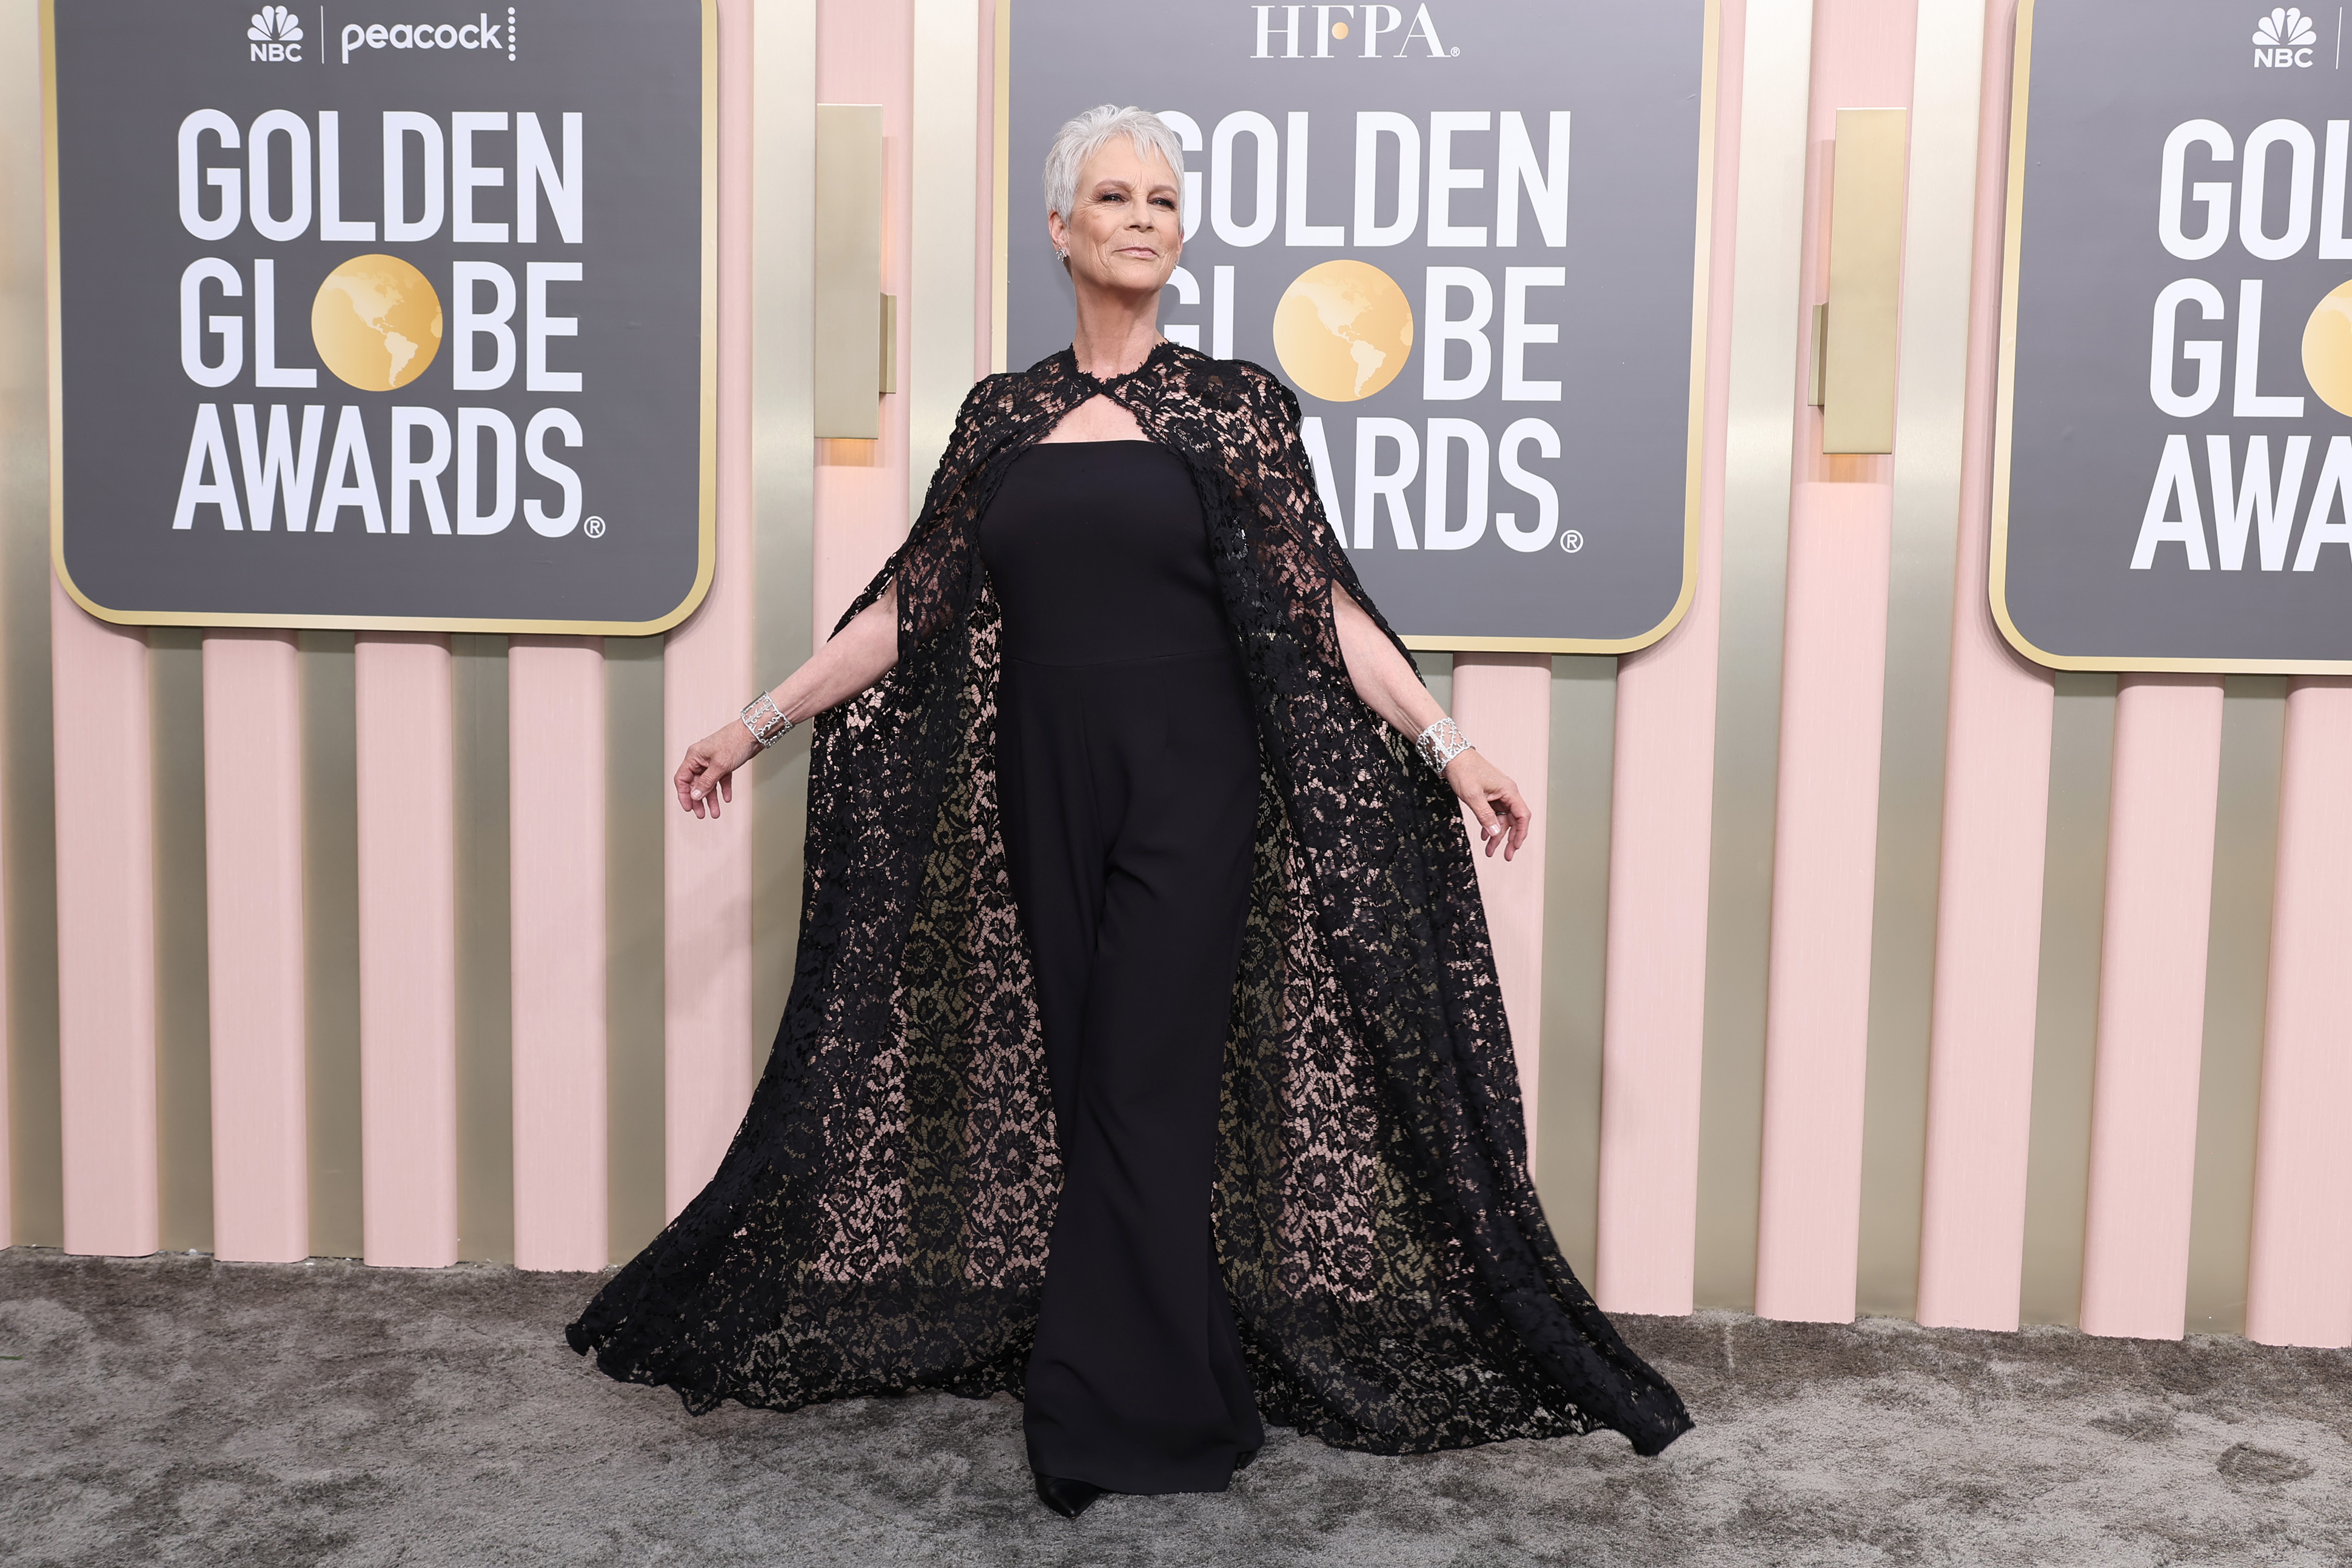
(1570, 541)
(1455, 50)
(593, 528)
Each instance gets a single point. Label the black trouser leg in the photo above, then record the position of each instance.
(1129, 798)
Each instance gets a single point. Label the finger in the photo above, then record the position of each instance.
(727, 787)
(1522, 823)
(705, 788)
(1489, 829)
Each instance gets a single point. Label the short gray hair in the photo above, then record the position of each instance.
(1084, 136)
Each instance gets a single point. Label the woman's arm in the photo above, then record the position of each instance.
(1389, 687)
(852, 659)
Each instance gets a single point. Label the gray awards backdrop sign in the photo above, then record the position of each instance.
(2174, 485)
(383, 317)
(1467, 234)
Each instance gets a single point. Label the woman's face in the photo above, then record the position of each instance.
(1124, 235)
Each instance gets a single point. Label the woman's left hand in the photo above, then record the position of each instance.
(1503, 817)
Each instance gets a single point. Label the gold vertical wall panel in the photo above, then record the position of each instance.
(1866, 190)
(783, 478)
(999, 189)
(1565, 1119)
(31, 1151)
(636, 787)
(2237, 990)
(330, 947)
(484, 911)
(1776, 86)
(1931, 414)
(940, 310)
(183, 1163)
(2066, 1007)
(848, 282)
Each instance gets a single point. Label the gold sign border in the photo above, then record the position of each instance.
(2005, 426)
(1695, 456)
(708, 500)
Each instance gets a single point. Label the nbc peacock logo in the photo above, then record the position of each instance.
(274, 35)
(2284, 39)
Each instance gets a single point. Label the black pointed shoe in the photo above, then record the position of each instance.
(1068, 1498)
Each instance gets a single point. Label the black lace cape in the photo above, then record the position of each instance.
(880, 1222)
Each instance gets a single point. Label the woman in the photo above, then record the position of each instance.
(1144, 1055)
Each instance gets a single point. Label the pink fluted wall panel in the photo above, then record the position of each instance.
(408, 952)
(1826, 828)
(706, 676)
(2151, 1004)
(1662, 789)
(2299, 1285)
(1502, 702)
(555, 771)
(1825, 835)
(106, 932)
(1996, 801)
(254, 923)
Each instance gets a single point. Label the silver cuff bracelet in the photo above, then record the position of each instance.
(767, 727)
(1440, 743)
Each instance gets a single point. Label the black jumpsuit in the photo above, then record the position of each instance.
(1128, 765)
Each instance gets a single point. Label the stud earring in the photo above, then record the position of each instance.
(1061, 254)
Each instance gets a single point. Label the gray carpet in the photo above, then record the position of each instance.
(175, 1410)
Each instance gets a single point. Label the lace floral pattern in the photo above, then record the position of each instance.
(879, 1223)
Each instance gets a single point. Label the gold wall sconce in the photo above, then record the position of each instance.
(1856, 330)
(853, 314)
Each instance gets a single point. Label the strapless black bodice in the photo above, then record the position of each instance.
(1098, 553)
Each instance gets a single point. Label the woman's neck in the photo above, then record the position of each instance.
(1116, 334)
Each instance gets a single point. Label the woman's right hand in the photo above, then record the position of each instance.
(847, 662)
(707, 775)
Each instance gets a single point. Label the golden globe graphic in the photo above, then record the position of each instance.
(2328, 348)
(377, 322)
(1343, 330)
